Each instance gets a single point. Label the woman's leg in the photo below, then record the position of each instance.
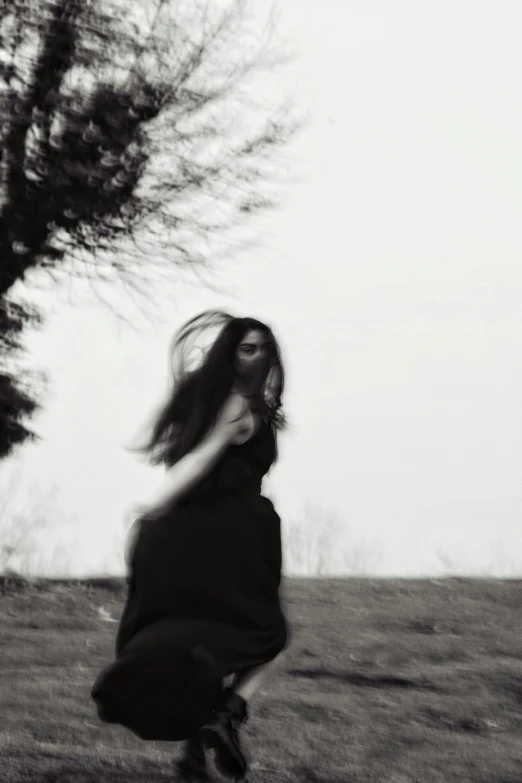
(248, 682)
(222, 731)
(229, 680)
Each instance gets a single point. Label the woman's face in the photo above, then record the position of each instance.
(253, 356)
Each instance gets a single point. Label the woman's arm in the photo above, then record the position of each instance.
(181, 477)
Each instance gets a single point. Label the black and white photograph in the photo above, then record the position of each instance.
(260, 383)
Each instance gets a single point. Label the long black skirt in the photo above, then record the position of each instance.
(203, 602)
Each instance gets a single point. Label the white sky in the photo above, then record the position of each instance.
(392, 278)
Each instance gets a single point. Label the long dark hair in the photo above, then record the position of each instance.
(199, 392)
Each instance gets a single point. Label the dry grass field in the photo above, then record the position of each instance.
(386, 681)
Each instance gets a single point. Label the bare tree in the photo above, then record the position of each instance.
(500, 562)
(362, 556)
(133, 139)
(37, 538)
(448, 560)
(20, 529)
(318, 542)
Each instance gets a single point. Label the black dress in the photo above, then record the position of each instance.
(203, 600)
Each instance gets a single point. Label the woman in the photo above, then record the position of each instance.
(203, 607)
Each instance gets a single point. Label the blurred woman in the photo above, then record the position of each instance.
(203, 623)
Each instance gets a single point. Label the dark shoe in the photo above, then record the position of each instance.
(221, 733)
(193, 766)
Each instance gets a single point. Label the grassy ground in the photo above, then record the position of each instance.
(394, 681)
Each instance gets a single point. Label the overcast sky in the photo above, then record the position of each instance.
(392, 278)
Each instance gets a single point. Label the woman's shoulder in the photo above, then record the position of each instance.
(234, 408)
